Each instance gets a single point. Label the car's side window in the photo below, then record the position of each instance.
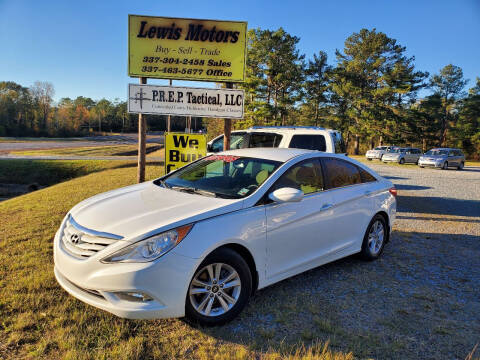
(306, 176)
(264, 140)
(310, 142)
(366, 176)
(217, 145)
(339, 173)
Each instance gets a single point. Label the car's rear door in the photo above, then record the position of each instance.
(352, 203)
(298, 233)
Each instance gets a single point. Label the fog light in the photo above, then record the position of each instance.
(134, 296)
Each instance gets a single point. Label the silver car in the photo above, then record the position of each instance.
(443, 158)
(403, 155)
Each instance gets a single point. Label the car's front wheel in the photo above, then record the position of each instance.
(375, 238)
(402, 161)
(461, 166)
(445, 165)
(220, 288)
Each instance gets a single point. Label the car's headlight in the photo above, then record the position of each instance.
(151, 248)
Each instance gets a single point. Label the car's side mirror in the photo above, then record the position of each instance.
(286, 194)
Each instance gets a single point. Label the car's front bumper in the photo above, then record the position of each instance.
(389, 159)
(166, 281)
(427, 163)
(373, 156)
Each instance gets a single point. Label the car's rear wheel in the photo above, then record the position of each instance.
(369, 159)
(375, 238)
(402, 161)
(219, 289)
(445, 165)
(461, 166)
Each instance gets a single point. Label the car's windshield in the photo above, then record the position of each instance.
(436, 152)
(223, 176)
(398, 150)
(380, 148)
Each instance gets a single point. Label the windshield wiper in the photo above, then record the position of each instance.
(192, 190)
(163, 183)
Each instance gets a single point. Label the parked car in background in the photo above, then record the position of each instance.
(299, 137)
(377, 153)
(200, 240)
(403, 155)
(443, 158)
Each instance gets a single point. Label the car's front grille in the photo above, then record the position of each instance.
(82, 242)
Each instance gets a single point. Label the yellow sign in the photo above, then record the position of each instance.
(181, 149)
(187, 49)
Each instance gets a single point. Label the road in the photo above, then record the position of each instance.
(17, 144)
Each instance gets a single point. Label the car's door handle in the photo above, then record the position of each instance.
(326, 207)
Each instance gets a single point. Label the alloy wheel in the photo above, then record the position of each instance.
(215, 289)
(376, 237)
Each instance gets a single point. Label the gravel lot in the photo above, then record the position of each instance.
(421, 300)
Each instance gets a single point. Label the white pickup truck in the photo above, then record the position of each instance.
(300, 137)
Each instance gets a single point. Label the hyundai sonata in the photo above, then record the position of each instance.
(200, 240)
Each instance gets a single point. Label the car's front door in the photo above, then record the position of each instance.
(298, 233)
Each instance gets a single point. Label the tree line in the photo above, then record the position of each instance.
(32, 112)
(370, 93)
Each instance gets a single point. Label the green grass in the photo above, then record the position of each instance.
(38, 319)
(108, 150)
(49, 172)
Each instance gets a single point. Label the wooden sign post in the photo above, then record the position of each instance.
(227, 126)
(142, 142)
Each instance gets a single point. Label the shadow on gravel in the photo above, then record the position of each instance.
(396, 178)
(424, 284)
(411, 187)
(438, 205)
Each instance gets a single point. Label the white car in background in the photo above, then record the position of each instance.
(377, 153)
(299, 137)
(198, 241)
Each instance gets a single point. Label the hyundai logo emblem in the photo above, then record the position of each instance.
(75, 239)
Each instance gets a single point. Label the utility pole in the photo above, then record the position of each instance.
(169, 119)
(227, 126)
(142, 137)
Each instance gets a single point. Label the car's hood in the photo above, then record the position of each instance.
(434, 156)
(135, 210)
(393, 155)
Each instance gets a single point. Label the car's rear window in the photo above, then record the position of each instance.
(309, 142)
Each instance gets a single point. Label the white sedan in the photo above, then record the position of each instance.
(198, 241)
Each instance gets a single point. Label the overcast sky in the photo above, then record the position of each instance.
(81, 46)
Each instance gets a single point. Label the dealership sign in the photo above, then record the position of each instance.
(188, 49)
(185, 101)
(181, 149)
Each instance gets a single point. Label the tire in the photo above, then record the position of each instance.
(199, 306)
(461, 166)
(369, 159)
(402, 161)
(445, 165)
(371, 248)
(422, 166)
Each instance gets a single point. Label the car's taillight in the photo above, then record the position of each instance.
(393, 191)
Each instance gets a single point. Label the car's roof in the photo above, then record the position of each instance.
(275, 154)
(444, 149)
(286, 129)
